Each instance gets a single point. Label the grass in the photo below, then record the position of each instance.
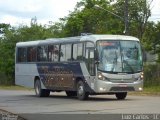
(6, 87)
(152, 90)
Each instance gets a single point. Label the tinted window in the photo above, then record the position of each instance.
(65, 52)
(53, 51)
(68, 52)
(78, 51)
(75, 50)
(22, 55)
(88, 45)
(89, 57)
(42, 53)
(31, 54)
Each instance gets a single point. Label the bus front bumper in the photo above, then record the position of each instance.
(102, 86)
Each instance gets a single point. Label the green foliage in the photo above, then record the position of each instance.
(152, 75)
(3, 27)
(138, 12)
(151, 41)
(13, 35)
(88, 19)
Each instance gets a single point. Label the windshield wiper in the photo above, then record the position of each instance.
(124, 61)
(114, 62)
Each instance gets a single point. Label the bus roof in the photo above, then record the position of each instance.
(92, 38)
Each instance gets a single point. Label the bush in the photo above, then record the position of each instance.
(4, 79)
(151, 75)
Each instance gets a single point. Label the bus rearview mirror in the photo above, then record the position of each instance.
(96, 56)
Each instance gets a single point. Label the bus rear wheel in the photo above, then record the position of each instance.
(121, 95)
(39, 91)
(81, 93)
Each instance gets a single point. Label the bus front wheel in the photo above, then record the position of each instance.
(39, 91)
(121, 95)
(81, 93)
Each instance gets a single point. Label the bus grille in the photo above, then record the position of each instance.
(121, 80)
(122, 89)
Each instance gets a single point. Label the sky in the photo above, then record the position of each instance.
(17, 12)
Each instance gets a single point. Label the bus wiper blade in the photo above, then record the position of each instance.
(124, 61)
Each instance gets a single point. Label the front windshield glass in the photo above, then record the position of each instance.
(119, 56)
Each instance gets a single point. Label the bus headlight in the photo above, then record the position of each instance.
(100, 76)
(140, 89)
(142, 76)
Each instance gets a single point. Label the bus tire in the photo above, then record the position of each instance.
(71, 93)
(39, 91)
(121, 95)
(81, 93)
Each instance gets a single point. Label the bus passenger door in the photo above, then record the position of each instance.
(90, 61)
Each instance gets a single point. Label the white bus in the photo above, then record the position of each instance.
(81, 66)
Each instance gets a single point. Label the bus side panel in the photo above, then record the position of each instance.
(89, 80)
(62, 76)
(25, 74)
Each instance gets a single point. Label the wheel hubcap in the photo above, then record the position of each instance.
(80, 90)
(37, 88)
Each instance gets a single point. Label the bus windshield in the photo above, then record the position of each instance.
(119, 56)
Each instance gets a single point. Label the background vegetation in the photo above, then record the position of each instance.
(86, 19)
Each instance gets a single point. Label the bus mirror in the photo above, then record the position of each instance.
(96, 62)
(96, 56)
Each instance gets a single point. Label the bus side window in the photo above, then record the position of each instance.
(89, 58)
(53, 53)
(65, 54)
(75, 52)
(21, 55)
(68, 52)
(42, 53)
(31, 54)
(78, 51)
(62, 53)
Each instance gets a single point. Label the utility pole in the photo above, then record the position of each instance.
(126, 18)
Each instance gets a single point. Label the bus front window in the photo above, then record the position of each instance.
(119, 56)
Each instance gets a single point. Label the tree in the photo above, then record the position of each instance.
(151, 41)
(4, 27)
(12, 35)
(7, 54)
(87, 19)
(139, 12)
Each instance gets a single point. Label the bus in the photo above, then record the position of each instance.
(81, 66)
